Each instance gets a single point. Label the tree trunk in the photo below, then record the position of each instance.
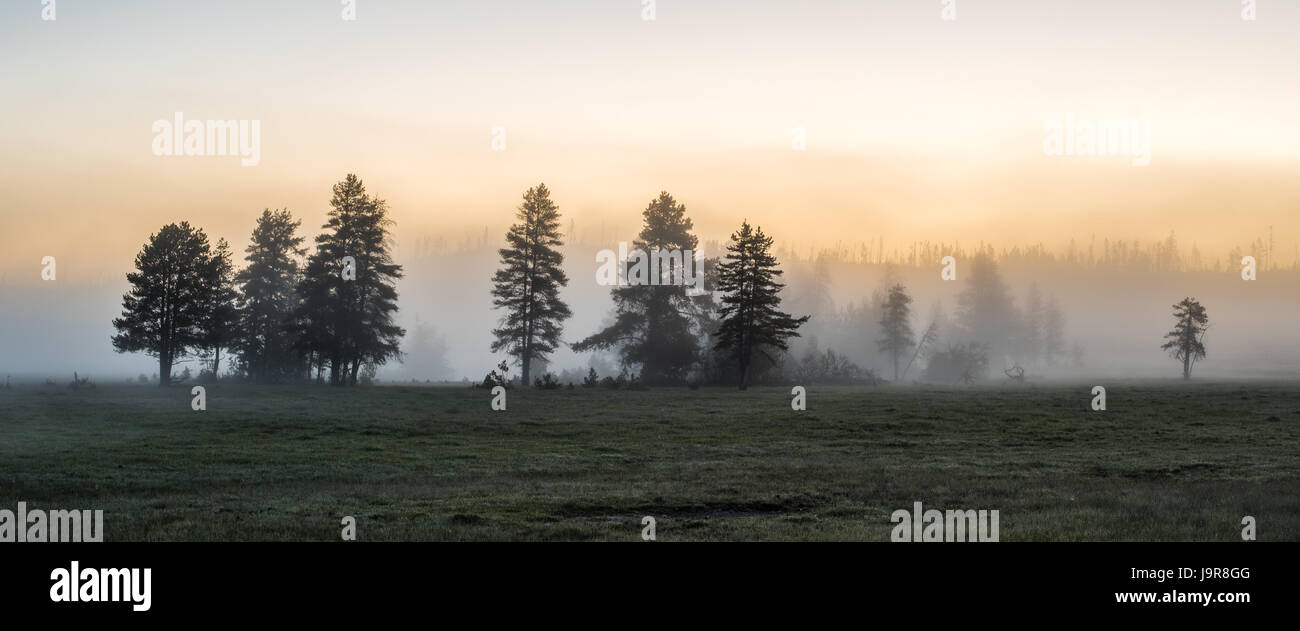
(216, 362)
(164, 369)
(1187, 364)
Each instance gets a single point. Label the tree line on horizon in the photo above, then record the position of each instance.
(1115, 254)
(289, 321)
(736, 333)
(330, 317)
(1129, 255)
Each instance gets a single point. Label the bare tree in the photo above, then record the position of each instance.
(927, 338)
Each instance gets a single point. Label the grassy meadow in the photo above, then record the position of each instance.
(1165, 461)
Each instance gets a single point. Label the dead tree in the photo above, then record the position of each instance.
(78, 382)
(931, 333)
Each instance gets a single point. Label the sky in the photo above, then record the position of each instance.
(914, 127)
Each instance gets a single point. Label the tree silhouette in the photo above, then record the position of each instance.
(896, 323)
(1186, 342)
(986, 311)
(264, 344)
(752, 322)
(164, 312)
(528, 283)
(221, 315)
(653, 323)
(348, 322)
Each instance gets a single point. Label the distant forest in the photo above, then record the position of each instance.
(1165, 255)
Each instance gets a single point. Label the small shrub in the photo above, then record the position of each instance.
(497, 377)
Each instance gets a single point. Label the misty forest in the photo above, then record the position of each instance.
(288, 313)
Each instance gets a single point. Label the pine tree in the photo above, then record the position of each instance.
(986, 311)
(1186, 342)
(222, 314)
(752, 322)
(377, 337)
(164, 312)
(264, 345)
(348, 322)
(896, 323)
(528, 283)
(657, 325)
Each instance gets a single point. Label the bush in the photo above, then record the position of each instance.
(831, 369)
(497, 377)
(963, 363)
(592, 379)
(547, 382)
(623, 382)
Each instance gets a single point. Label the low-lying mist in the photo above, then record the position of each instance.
(1113, 316)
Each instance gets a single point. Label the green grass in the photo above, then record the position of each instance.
(1166, 461)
